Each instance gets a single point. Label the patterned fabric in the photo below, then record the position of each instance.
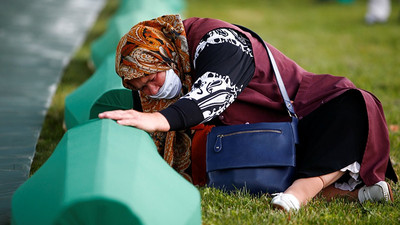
(224, 35)
(224, 64)
(218, 90)
(214, 93)
(153, 46)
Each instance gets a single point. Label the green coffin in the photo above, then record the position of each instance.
(111, 100)
(105, 173)
(102, 91)
(154, 7)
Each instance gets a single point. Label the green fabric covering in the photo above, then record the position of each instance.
(102, 91)
(112, 100)
(105, 173)
(155, 7)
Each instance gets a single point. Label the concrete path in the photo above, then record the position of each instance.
(37, 40)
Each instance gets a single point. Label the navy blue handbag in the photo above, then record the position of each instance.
(259, 157)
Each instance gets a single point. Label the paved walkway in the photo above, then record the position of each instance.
(37, 39)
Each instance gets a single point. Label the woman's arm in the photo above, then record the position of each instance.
(223, 69)
(224, 65)
(149, 122)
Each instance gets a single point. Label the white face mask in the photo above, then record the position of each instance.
(171, 87)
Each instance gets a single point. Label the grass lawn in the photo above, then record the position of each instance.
(322, 37)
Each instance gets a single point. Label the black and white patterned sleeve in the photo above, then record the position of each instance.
(224, 65)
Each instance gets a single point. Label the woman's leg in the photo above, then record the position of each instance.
(330, 192)
(303, 190)
(306, 188)
(380, 191)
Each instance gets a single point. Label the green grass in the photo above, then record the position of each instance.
(242, 208)
(322, 37)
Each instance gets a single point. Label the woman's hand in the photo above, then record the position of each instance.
(149, 122)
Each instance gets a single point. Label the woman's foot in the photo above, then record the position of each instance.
(286, 202)
(380, 191)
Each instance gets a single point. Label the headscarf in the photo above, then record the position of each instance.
(153, 46)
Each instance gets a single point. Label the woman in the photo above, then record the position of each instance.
(209, 72)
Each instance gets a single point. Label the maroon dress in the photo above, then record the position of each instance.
(261, 101)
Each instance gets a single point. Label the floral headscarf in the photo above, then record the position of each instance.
(149, 47)
(153, 46)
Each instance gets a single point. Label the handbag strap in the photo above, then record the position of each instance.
(278, 77)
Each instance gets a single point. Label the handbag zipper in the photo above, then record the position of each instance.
(218, 142)
(248, 131)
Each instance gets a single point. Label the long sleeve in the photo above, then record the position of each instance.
(224, 65)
